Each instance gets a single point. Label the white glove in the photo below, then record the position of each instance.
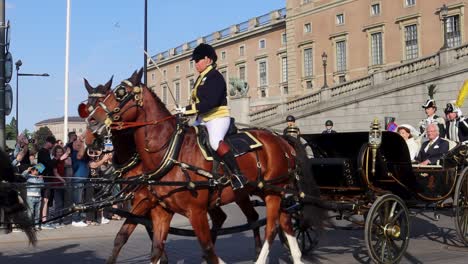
(180, 110)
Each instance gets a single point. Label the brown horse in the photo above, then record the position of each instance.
(156, 134)
(144, 200)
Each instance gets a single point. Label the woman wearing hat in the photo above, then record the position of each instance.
(408, 133)
(430, 109)
(209, 103)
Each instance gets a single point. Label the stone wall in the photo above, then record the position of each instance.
(399, 92)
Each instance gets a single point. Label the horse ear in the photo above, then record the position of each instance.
(140, 74)
(108, 85)
(89, 88)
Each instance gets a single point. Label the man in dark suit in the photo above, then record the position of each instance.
(432, 150)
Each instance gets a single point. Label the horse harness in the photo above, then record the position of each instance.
(215, 181)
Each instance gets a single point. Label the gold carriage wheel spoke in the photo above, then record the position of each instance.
(392, 210)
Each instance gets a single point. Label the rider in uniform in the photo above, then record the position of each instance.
(209, 102)
(291, 129)
(457, 125)
(430, 108)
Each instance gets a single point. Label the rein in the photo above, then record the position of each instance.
(126, 125)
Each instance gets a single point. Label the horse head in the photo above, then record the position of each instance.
(111, 106)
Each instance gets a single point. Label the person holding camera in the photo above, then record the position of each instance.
(21, 154)
(33, 176)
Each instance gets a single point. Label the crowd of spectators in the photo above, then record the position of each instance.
(56, 175)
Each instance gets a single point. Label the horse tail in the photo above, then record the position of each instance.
(13, 200)
(313, 214)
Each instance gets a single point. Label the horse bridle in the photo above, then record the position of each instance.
(123, 97)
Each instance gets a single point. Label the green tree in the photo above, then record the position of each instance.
(41, 134)
(10, 129)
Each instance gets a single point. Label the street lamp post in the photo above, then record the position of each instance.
(443, 12)
(145, 40)
(324, 62)
(18, 65)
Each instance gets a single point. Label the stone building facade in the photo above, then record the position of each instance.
(75, 123)
(281, 55)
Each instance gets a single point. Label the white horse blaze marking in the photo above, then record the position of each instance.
(262, 258)
(294, 248)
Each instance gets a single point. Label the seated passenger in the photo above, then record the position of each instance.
(433, 149)
(407, 131)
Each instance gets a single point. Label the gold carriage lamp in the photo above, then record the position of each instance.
(375, 140)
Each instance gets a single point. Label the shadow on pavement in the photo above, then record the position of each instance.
(50, 256)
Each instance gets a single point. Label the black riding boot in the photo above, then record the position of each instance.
(238, 180)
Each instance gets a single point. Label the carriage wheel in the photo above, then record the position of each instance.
(461, 206)
(307, 237)
(387, 229)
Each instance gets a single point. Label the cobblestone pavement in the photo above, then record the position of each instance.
(431, 242)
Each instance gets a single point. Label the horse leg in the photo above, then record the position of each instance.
(288, 230)
(244, 203)
(272, 211)
(126, 230)
(199, 222)
(218, 216)
(161, 219)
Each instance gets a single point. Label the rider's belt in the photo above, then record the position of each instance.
(220, 111)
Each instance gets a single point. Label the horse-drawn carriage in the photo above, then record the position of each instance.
(371, 174)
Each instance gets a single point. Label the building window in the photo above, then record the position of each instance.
(191, 83)
(223, 55)
(340, 19)
(284, 69)
(177, 68)
(283, 39)
(224, 73)
(191, 65)
(308, 62)
(177, 92)
(306, 1)
(262, 73)
(411, 42)
(341, 79)
(307, 28)
(241, 50)
(242, 72)
(376, 48)
(375, 9)
(164, 94)
(453, 31)
(410, 2)
(309, 84)
(341, 56)
(285, 90)
(261, 44)
(263, 93)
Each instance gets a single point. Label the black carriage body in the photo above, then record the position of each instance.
(342, 165)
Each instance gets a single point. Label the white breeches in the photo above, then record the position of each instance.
(217, 129)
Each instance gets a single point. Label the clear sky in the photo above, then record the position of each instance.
(106, 38)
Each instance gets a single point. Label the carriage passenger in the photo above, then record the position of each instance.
(408, 133)
(434, 148)
(457, 124)
(209, 102)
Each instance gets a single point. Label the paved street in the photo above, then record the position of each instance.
(431, 242)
